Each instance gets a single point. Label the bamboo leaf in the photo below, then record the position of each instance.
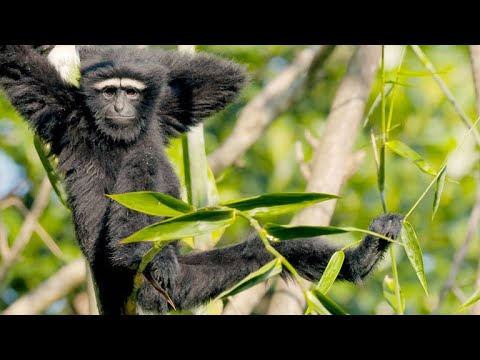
(331, 272)
(285, 232)
(315, 304)
(200, 222)
(153, 203)
(267, 271)
(414, 252)
(277, 203)
(331, 305)
(438, 190)
(406, 152)
(389, 293)
(470, 301)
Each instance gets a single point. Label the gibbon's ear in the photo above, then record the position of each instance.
(199, 85)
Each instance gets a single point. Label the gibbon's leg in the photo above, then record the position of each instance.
(37, 90)
(204, 275)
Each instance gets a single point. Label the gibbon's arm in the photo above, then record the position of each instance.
(204, 275)
(199, 85)
(36, 90)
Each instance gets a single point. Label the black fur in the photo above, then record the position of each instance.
(98, 157)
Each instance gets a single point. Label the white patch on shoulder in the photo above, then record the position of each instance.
(124, 82)
(115, 82)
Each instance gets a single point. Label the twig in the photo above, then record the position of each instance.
(277, 97)
(468, 122)
(39, 229)
(27, 228)
(56, 287)
(300, 156)
(335, 148)
(4, 250)
(461, 252)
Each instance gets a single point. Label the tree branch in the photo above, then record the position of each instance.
(56, 287)
(278, 96)
(23, 237)
(461, 252)
(333, 152)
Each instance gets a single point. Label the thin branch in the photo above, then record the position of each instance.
(39, 229)
(56, 287)
(468, 122)
(333, 152)
(27, 228)
(277, 97)
(4, 250)
(461, 252)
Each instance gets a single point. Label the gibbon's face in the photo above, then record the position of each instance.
(119, 106)
(120, 99)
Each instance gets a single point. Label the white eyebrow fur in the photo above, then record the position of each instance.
(117, 82)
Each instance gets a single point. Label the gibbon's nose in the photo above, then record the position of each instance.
(119, 102)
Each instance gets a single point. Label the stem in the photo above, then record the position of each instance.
(395, 276)
(263, 236)
(390, 113)
(423, 58)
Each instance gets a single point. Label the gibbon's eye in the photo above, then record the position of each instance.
(109, 92)
(131, 92)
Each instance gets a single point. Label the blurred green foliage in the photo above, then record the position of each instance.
(423, 119)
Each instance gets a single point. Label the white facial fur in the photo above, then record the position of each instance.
(120, 82)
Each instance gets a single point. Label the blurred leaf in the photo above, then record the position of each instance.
(414, 252)
(331, 272)
(51, 172)
(277, 203)
(285, 232)
(153, 203)
(470, 301)
(267, 271)
(438, 190)
(406, 152)
(389, 293)
(331, 305)
(398, 83)
(193, 224)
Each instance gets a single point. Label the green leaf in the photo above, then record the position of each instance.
(153, 203)
(267, 271)
(285, 232)
(315, 304)
(200, 222)
(51, 173)
(406, 152)
(331, 272)
(470, 301)
(277, 203)
(414, 252)
(331, 305)
(389, 293)
(438, 190)
(398, 83)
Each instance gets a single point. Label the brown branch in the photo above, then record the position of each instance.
(4, 250)
(461, 252)
(56, 287)
(27, 228)
(277, 97)
(333, 152)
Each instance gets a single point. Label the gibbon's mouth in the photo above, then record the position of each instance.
(121, 119)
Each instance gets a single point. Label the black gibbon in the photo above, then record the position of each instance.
(110, 135)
